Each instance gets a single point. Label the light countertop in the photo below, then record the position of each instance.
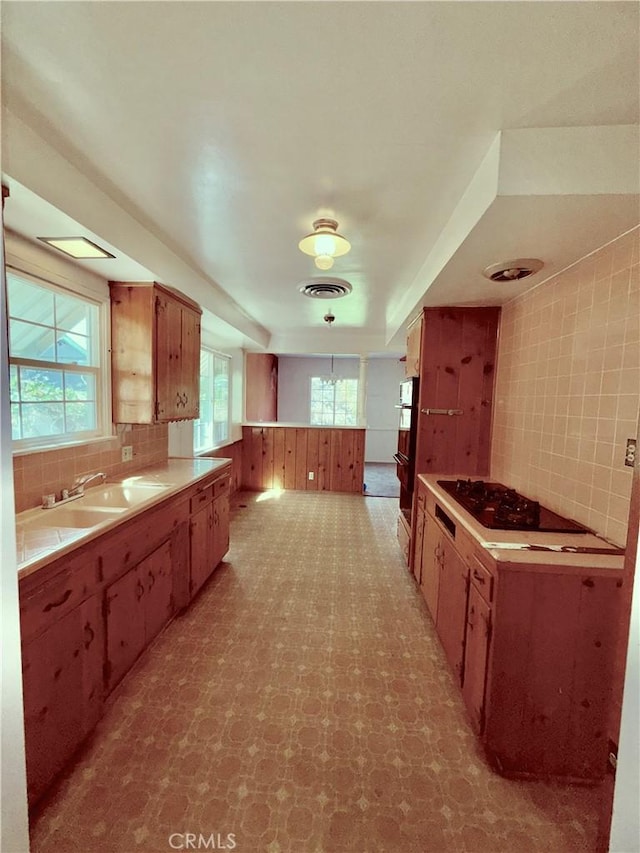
(492, 540)
(41, 539)
(299, 426)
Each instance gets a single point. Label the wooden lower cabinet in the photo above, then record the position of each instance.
(430, 564)
(452, 606)
(87, 616)
(478, 637)
(209, 532)
(138, 606)
(63, 691)
(532, 646)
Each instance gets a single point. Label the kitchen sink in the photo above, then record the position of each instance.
(121, 495)
(78, 517)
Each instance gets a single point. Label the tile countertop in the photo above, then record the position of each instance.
(508, 558)
(39, 542)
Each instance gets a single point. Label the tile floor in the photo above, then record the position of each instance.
(302, 704)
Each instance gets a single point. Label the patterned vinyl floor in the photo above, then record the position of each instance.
(302, 704)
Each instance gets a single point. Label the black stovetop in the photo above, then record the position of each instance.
(500, 508)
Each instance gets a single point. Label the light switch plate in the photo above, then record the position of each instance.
(630, 456)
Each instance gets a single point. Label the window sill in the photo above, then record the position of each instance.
(110, 440)
(224, 444)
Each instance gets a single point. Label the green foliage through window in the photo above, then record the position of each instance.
(212, 427)
(334, 404)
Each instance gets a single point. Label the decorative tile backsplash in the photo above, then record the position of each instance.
(568, 388)
(50, 471)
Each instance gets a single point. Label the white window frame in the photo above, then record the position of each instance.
(102, 370)
(313, 379)
(200, 450)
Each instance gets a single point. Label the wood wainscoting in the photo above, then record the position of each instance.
(283, 457)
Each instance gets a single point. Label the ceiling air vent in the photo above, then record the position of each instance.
(513, 270)
(325, 288)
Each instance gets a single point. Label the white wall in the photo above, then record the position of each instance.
(383, 378)
(14, 830)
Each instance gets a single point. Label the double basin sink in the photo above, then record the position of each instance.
(98, 505)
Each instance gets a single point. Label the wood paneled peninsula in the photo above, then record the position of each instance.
(303, 457)
(99, 578)
(529, 634)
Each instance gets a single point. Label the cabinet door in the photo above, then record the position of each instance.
(419, 540)
(452, 606)
(125, 625)
(201, 546)
(431, 555)
(156, 576)
(168, 359)
(63, 694)
(190, 364)
(476, 657)
(220, 528)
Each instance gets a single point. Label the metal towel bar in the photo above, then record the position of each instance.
(442, 411)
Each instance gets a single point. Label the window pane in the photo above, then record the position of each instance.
(29, 302)
(73, 349)
(80, 417)
(73, 315)
(13, 384)
(212, 427)
(79, 386)
(42, 419)
(334, 404)
(40, 385)
(33, 342)
(16, 431)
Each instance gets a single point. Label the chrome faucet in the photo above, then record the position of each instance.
(81, 482)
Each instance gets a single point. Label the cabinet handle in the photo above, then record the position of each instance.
(477, 576)
(152, 578)
(59, 603)
(139, 591)
(89, 634)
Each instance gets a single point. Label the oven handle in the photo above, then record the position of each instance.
(401, 460)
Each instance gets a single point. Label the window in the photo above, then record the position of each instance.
(54, 364)
(212, 427)
(334, 404)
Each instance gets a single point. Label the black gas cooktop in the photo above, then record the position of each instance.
(500, 508)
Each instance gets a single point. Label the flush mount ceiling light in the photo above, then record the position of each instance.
(325, 288)
(77, 247)
(324, 244)
(513, 270)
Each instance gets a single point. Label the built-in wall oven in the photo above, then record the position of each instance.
(406, 453)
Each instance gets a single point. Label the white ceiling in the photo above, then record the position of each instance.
(199, 140)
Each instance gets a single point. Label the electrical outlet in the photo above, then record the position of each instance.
(311, 475)
(630, 456)
(127, 453)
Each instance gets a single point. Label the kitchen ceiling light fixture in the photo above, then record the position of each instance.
(513, 270)
(324, 243)
(77, 247)
(330, 378)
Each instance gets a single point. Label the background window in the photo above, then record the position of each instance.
(54, 364)
(212, 427)
(334, 404)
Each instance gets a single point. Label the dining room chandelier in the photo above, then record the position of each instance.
(330, 378)
(324, 243)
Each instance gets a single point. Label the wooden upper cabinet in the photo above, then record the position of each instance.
(457, 369)
(414, 340)
(155, 353)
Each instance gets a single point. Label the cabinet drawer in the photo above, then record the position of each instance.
(221, 486)
(201, 498)
(49, 602)
(481, 578)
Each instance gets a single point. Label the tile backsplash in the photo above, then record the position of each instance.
(568, 388)
(48, 471)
